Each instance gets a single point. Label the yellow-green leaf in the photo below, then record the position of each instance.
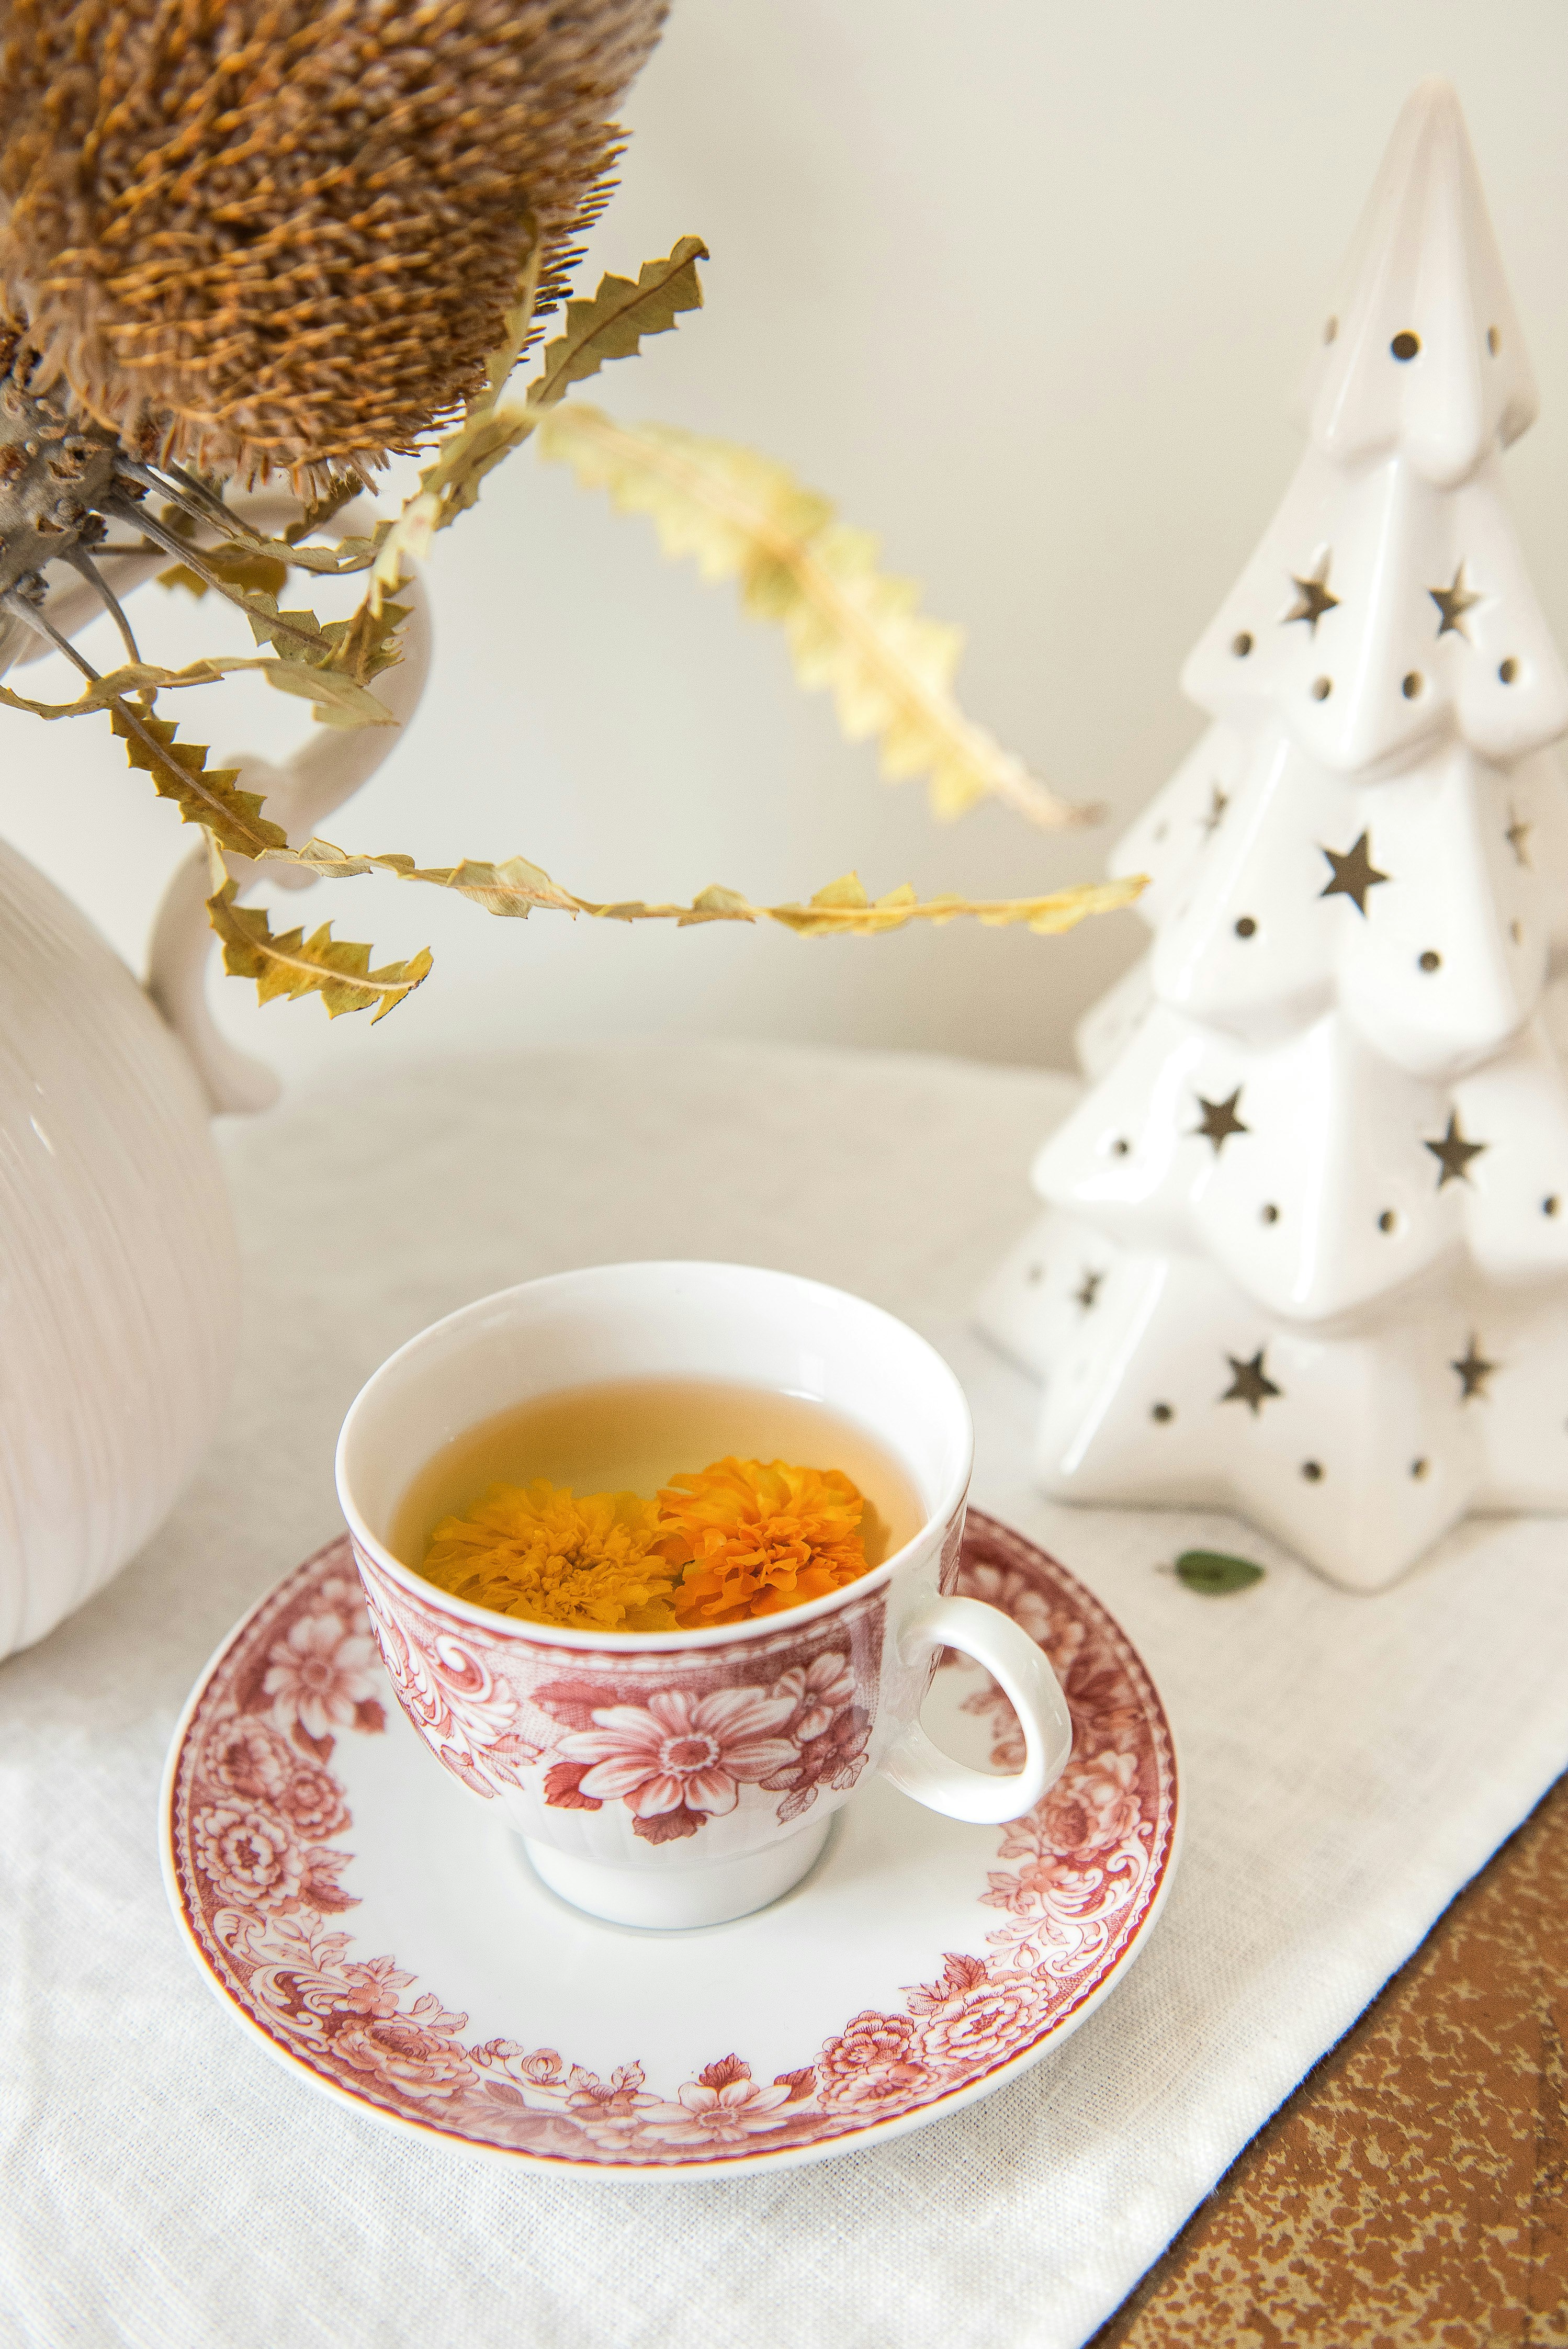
(239, 564)
(850, 628)
(320, 510)
(293, 629)
(611, 325)
(205, 796)
(518, 324)
(364, 644)
(519, 888)
(291, 964)
(338, 700)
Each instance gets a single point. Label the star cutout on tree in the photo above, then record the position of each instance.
(1474, 1371)
(1313, 598)
(1219, 1120)
(1354, 874)
(1090, 1290)
(1250, 1383)
(1454, 1153)
(1454, 602)
(1218, 803)
(1516, 835)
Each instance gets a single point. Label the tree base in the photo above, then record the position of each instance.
(1357, 1446)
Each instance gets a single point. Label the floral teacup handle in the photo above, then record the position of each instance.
(1020, 1668)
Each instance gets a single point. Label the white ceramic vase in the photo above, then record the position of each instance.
(119, 1269)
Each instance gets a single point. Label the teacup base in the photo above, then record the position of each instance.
(675, 1899)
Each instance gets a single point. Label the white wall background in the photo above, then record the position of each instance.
(1025, 285)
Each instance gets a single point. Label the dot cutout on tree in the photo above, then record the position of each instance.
(1246, 927)
(1218, 802)
(1552, 1204)
(1411, 684)
(1267, 1213)
(1120, 1146)
(1507, 670)
(1085, 1296)
(1242, 645)
(1163, 1413)
(1352, 873)
(1516, 932)
(1322, 687)
(1454, 1153)
(1250, 1383)
(1516, 835)
(1313, 1471)
(1453, 602)
(1430, 960)
(1219, 1120)
(1418, 1469)
(1330, 329)
(1493, 341)
(1404, 345)
(1387, 1221)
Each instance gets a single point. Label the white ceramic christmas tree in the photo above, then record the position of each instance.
(1307, 1247)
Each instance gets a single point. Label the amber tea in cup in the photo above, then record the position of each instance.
(631, 1437)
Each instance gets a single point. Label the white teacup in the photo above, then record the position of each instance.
(809, 1700)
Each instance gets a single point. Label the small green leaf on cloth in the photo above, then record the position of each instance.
(1214, 1574)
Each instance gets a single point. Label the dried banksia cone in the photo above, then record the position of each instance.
(251, 235)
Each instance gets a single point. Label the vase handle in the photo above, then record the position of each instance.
(328, 768)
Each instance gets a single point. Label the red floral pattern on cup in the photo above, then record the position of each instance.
(679, 1759)
(257, 1812)
(788, 1717)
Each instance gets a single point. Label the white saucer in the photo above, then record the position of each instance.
(388, 1940)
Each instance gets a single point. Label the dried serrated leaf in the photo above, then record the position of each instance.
(179, 574)
(850, 630)
(517, 326)
(238, 564)
(447, 489)
(519, 888)
(338, 700)
(205, 795)
(842, 909)
(320, 510)
(293, 629)
(612, 323)
(364, 644)
(515, 887)
(290, 965)
(1214, 1573)
(349, 554)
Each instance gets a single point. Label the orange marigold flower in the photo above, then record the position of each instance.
(551, 1556)
(751, 1537)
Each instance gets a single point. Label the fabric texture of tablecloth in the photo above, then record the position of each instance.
(1349, 1763)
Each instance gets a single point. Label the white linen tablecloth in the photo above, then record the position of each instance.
(1349, 1763)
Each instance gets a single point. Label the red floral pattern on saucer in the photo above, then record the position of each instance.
(260, 1846)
